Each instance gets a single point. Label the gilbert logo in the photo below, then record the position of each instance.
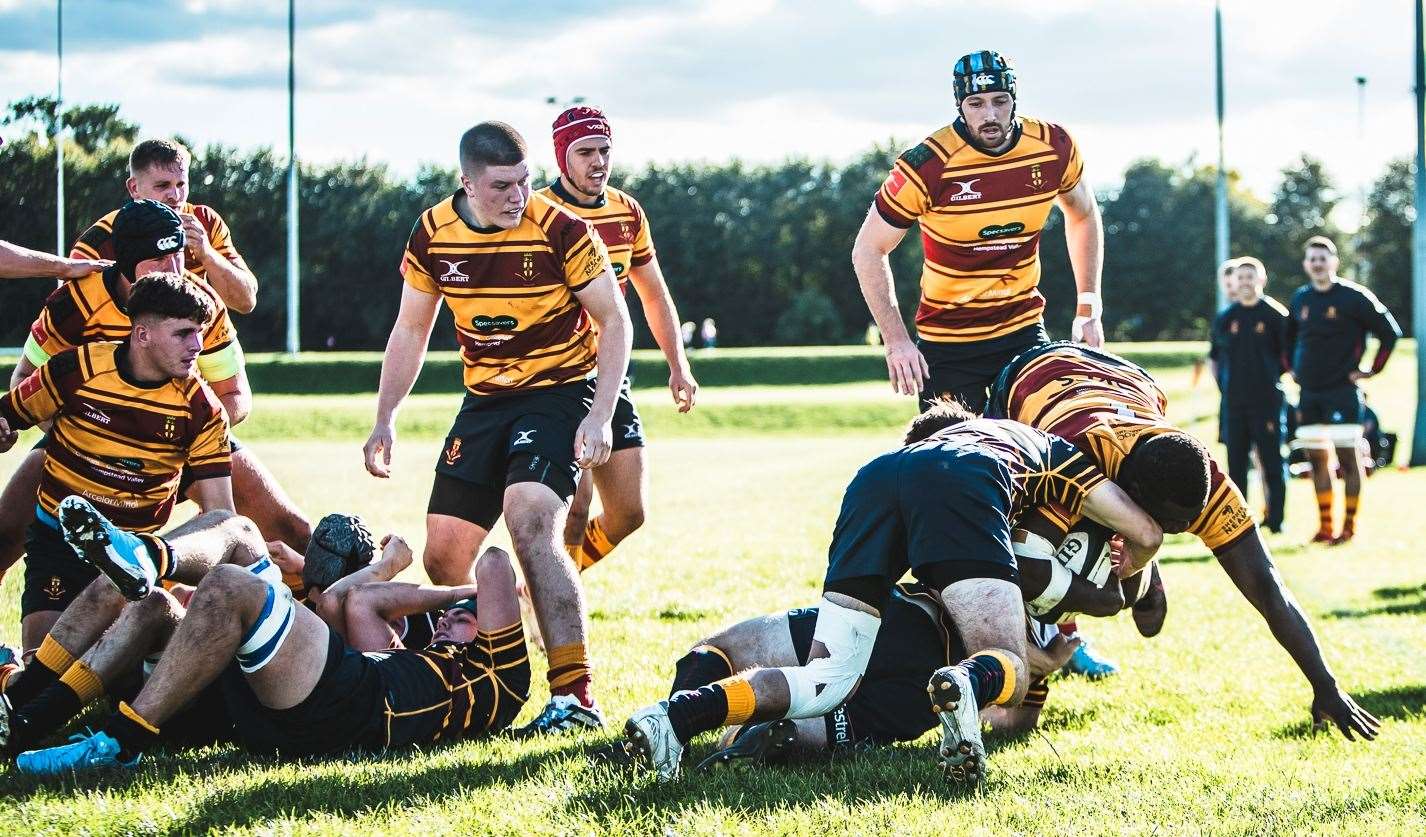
(453, 272)
(524, 437)
(166, 244)
(967, 191)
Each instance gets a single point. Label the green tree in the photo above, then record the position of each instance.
(1385, 247)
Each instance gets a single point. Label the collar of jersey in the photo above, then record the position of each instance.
(964, 131)
(563, 194)
(491, 230)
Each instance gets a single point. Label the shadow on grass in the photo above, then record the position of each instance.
(1397, 702)
(1185, 559)
(1405, 601)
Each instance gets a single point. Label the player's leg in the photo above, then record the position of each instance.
(17, 507)
(70, 636)
(1314, 435)
(54, 576)
(140, 630)
(1237, 439)
(259, 497)
(761, 642)
(576, 521)
(458, 518)
(1353, 475)
(1267, 440)
(623, 492)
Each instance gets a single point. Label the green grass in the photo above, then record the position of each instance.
(1204, 732)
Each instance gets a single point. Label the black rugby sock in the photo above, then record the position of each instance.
(988, 677)
(697, 710)
(41, 717)
(699, 667)
(134, 734)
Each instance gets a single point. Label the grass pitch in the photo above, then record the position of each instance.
(1205, 731)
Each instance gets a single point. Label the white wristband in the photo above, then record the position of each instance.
(1091, 299)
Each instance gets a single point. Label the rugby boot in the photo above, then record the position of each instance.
(1152, 608)
(769, 742)
(962, 751)
(1348, 532)
(1085, 664)
(120, 555)
(564, 713)
(85, 751)
(649, 739)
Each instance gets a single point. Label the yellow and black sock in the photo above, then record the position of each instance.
(699, 667)
(570, 672)
(54, 707)
(725, 703)
(595, 546)
(134, 733)
(1349, 519)
(1324, 511)
(50, 663)
(992, 676)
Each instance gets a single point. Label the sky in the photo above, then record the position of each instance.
(760, 80)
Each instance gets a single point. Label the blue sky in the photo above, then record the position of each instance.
(713, 79)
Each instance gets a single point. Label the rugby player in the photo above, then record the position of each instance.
(158, 171)
(128, 420)
(981, 188)
(583, 141)
(523, 278)
(1248, 361)
(298, 689)
(18, 262)
(1114, 412)
(943, 508)
(1328, 322)
(147, 236)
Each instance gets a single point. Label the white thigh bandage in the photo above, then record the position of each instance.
(820, 686)
(1327, 436)
(267, 571)
(265, 637)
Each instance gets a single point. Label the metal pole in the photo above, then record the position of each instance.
(1220, 214)
(1418, 242)
(1360, 269)
(293, 277)
(60, 247)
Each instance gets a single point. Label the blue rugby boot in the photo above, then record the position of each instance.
(85, 751)
(1085, 664)
(122, 556)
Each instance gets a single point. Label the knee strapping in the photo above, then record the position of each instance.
(820, 686)
(264, 639)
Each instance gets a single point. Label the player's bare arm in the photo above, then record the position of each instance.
(405, 353)
(236, 396)
(7, 436)
(871, 260)
(215, 494)
(662, 317)
(1108, 504)
(371, 607)
(1252, 571)
(18, 262)
(594, 440)
(1084, 236)
(236, 285)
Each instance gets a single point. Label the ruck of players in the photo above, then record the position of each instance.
(1030, 495)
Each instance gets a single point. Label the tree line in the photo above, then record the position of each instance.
(763, 249)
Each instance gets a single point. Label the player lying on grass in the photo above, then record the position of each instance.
(291, 685)
(146, 237)
(943, 508)
(1114, 412)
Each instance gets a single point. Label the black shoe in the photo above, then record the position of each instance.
(769, 742)
(1151, 610)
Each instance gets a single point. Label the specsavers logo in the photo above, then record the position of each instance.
(486, 325)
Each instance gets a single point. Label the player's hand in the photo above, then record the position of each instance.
(396, 554)
(1043, 662)
(593, 442)
(7, 436)
(199, 249)
(683, 387)
(907, 367)
(377, 450)
(1087, 330)
(1334, 705)
(79, 268)
(1358, 375)
(287, 559)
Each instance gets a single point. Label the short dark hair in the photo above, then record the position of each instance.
(943, 413)
(158, 152)
(1166, 468)
(169, 296)
(1321, 241)
(491, 144)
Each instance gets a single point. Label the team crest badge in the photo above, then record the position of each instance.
(527, 273)
(55, 588)
(170, 428)
(1331, 312)
(1303, 315)
(626, 231)
(1037, 178)
(453, 452)
(1233, 329)
(1260, 328)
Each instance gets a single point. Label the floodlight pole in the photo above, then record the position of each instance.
(293, 276)
(1220, 204)
(1418, 242)
(60, 247)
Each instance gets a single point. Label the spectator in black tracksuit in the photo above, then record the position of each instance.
(1248, 362)
(1329, 320)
